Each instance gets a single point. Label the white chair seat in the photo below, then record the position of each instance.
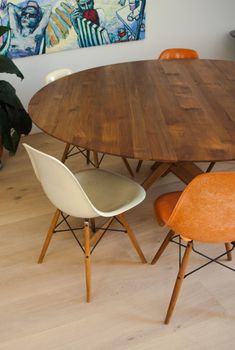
(110, 193)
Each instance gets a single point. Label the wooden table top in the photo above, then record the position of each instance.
(166, 111)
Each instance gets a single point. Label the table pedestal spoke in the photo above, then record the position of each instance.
(156, 174)
(185, 171)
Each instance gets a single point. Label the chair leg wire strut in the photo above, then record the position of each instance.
(183, 263)
(69, 152)
(228, 250)
(93, 241)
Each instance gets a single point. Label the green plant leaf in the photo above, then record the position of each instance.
(4, 29)
(8, 66)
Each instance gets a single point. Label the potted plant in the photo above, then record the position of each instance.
(14, 120)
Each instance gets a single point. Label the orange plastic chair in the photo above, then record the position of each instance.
(175, 54)
(204, 212)
(178, 54)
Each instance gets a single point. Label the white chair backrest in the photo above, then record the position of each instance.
(60, 185)
(57, 74)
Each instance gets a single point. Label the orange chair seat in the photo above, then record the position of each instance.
(164, 206)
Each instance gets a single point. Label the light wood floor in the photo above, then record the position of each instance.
(43, 306)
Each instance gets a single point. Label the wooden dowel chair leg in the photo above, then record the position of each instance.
(92, 224)
(210, 167)
(96, 159)
(64, 155)
(87, 260)
(87, 156)
(179, 281)
(132, 237)
(100, 232)
(138, 166)
(228, 247)
(128, 166)
(49, 235)
(163, 246)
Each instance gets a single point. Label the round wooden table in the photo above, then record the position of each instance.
(174, 112)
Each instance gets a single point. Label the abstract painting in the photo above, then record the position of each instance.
(46, 26)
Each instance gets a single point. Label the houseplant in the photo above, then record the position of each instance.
(14, 120)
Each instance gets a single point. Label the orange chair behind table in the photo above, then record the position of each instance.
(178, 53)
(204, 212)
(175, 54)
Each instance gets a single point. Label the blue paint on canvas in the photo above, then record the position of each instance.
(46, 26)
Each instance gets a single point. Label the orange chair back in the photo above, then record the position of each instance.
(178, 53)
(206, 209)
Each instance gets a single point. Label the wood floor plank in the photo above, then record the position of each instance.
(43, 306)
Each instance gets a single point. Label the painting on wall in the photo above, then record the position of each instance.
(46, 26)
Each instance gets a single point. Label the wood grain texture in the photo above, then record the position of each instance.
(167, 111)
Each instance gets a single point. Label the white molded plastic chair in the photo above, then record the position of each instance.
(87, 194)
(57, 74)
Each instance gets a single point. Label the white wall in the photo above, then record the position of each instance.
(200, 24)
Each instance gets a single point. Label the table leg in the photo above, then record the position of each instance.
(185, 171)
(156, 174)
